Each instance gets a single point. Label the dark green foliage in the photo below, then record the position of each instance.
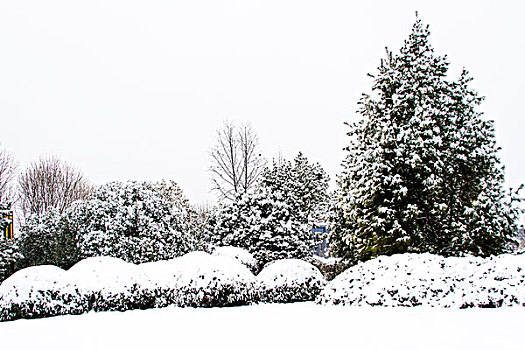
(46, 239)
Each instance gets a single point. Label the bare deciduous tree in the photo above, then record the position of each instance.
(51, 184)
(8, 168)
(236, 161)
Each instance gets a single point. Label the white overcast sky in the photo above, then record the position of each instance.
(127, 89)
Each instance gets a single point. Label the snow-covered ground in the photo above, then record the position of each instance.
(274, 326)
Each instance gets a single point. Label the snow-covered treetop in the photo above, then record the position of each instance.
(301, 184)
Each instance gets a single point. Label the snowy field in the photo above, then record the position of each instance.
(274, 326)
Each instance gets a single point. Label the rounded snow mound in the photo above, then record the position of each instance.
(104, 273)
(159, 286)
(157, 273)
(199, 279)
(289, 280)
(239, 254)
(31, 280)
(162, 277)
(430, 280)
(203, 280)
(193, 256)
(110, 283)
(39, 291)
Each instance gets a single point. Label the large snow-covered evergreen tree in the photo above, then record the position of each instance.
(422, 173)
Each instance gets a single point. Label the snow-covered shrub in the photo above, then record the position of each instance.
(199, 279)
(431, 280)
(45, 239)
(159, 286)
(491, 282)
(241, 255)
(134, 221)
(289, 280)
(40, 291)
(9, 254)
(206, 281)
(110, 284)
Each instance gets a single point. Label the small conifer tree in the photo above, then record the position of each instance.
(303, 185)
(262, 223)
(275, 220)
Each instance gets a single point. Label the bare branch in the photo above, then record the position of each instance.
(8, 169)
(51, 184)
(236, 161)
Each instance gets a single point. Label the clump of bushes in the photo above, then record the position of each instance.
(40, 291)
(430, 280)
(111, 284)
(198, 279)
(289, 280)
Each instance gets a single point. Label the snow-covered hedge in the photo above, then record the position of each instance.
(110, 284)
(199, 279)
(289, 280)
(196, 279)
(40, 291)
(106, 283)
(239, 254)
(206, 281)
(431, 280)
